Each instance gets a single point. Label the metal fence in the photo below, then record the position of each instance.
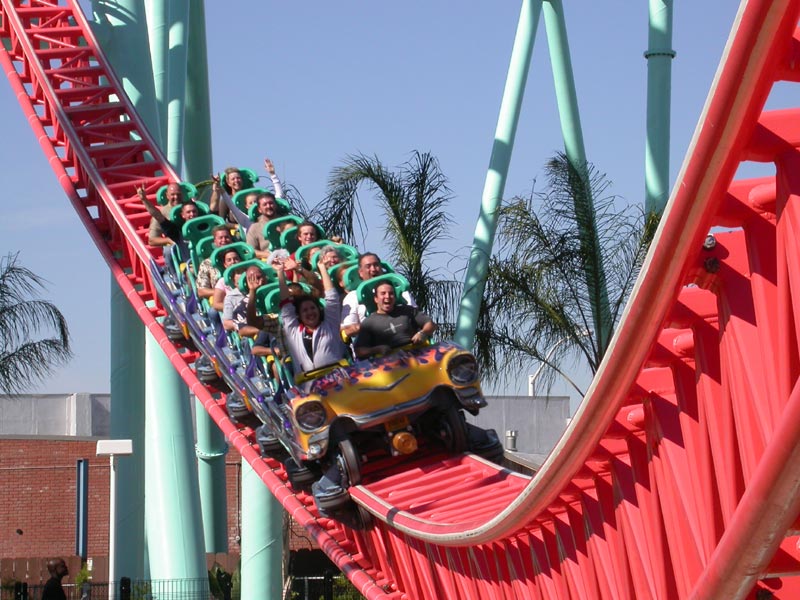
(168, 589)
(327, 587)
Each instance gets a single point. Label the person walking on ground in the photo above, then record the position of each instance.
(53, 589)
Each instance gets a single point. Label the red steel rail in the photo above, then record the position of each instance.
(679, 475)
(101, 151)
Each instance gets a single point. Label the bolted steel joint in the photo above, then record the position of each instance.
(711, 264)
(710, 242)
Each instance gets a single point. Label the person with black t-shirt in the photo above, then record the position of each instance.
(391, 325)
(53, 589)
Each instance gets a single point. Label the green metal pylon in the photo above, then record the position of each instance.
(659, 57)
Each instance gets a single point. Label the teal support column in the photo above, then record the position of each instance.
(211, 450)
(174, 528)
(158, 30)
(175, 537)
(121, 29)
(567, 98)
(211, 446)
(127, 422)
(198, 158)
(495, 182)
(659, 57)
(168, 25)
(262, 538)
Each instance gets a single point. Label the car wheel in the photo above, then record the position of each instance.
(349, 463)
(300, 477)
(485, 443)
(452, 429)
(270, 445)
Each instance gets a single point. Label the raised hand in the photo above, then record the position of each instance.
(290, 264)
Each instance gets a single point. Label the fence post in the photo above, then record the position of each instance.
(20, 590)
(124, 588)
(328, 586)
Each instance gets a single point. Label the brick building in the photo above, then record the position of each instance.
(42, 437)
(41, 440)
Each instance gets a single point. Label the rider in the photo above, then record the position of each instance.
(391, 325)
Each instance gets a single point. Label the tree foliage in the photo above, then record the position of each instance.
(565, 262)
(414, 200)
(34, 337)
(544, 278)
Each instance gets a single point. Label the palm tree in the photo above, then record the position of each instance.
(26, 357)
(414, 200)
(544, 277)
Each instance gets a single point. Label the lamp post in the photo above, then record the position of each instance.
(112, 449)
(532, 379)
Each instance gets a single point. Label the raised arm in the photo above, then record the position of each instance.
(301, 273)
(216, 203)
(276, 183)
(148, 205)
(284, 288)
(327, 283)
(253, 319)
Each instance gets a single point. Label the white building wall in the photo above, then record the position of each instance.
(83, 415)
(539, 421)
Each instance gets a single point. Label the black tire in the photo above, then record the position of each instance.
(354, 516)
(269, 444)
(349, 463)
(452, 430)
(300, 477)
(205, 370)
(485, 443)
(173, 330)
(495, 453)
(330, 505)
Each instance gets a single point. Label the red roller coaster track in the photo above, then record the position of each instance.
(679, 475)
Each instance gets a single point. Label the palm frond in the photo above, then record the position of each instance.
(29, 363)
(340, 213)
(24, 361)
(560, 254)
(414, 199)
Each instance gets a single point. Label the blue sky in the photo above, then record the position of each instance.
(309, 83)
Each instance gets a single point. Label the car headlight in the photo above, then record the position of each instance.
(310, 415)
(463, 369)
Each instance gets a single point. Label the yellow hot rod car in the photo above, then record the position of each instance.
(388, 405)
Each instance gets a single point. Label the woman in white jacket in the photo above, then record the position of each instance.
(312, 335)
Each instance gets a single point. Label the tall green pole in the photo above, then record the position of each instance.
(566, 95)
(158, 30)
(567, 98)
(127, 422)
(121, 29)
(176, 82)
(262, 538)
(198, 158)
(211, 446)
(168, 26)
(211, 450)
(495, 182)
(174, 528)
(659, 57)
(171, 433)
